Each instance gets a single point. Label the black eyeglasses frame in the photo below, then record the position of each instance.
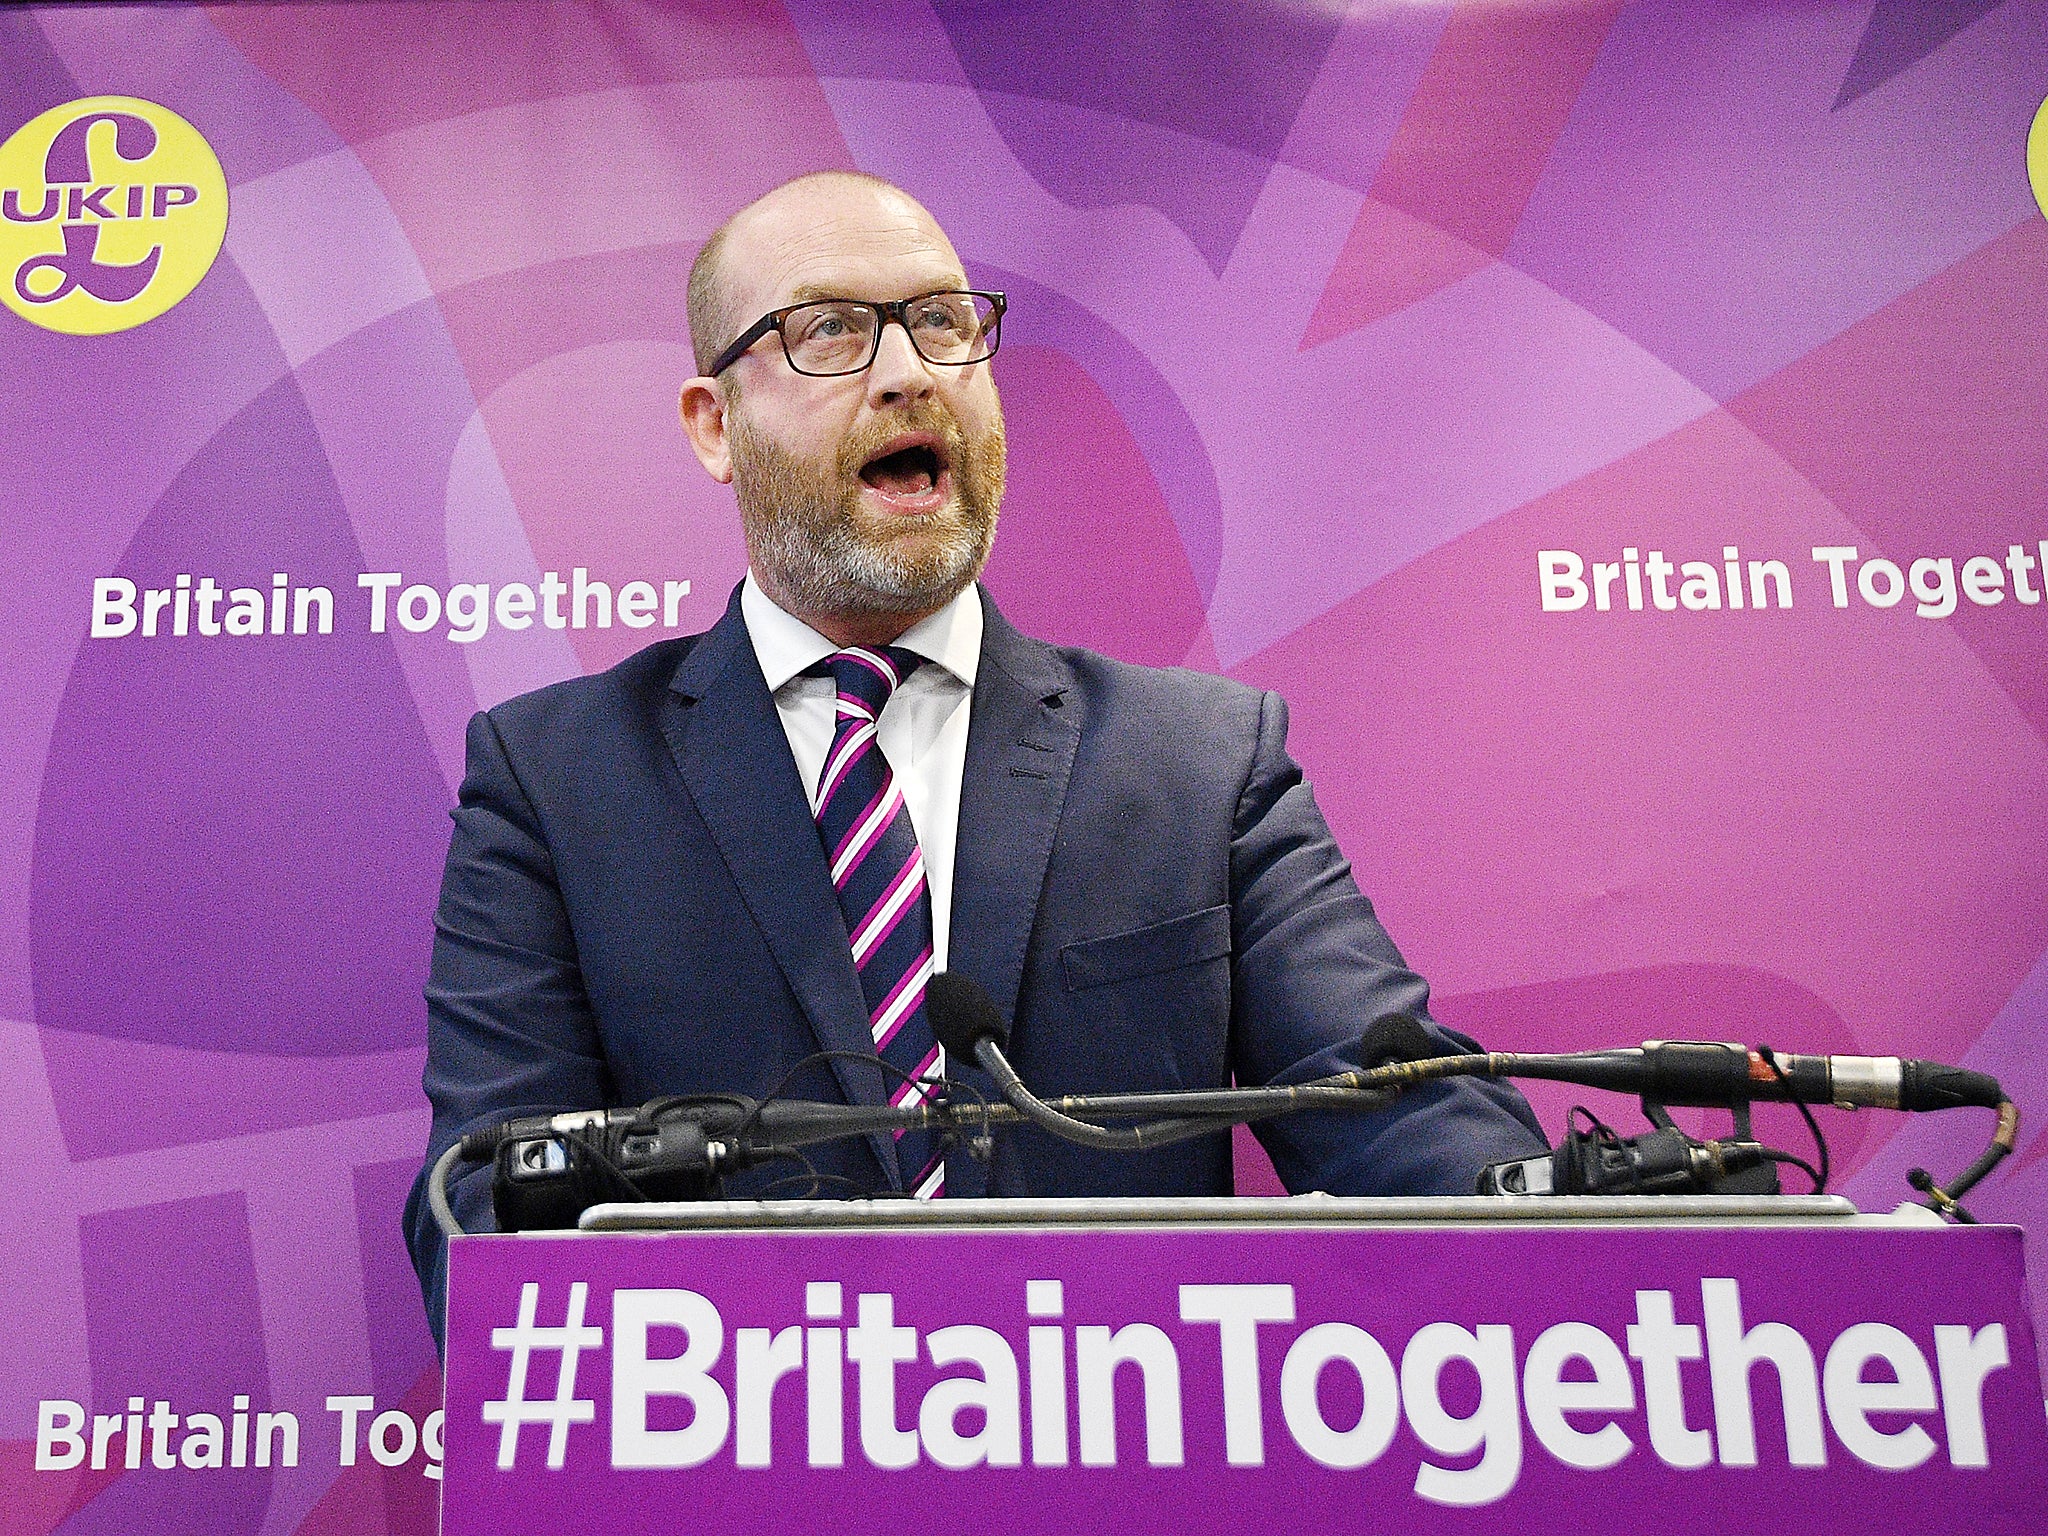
(889, 309)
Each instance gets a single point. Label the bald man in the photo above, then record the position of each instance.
(733, 862)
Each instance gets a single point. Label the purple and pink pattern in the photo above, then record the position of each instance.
(1324, 320)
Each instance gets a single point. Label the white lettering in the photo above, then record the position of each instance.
(161, 1422)
(1657, 568)
(636, 1377)
(637, 603)
(205, 1443)
(2021, 564)
(59, 1445)
(552, 591)
(590, 592)
(1836, 557)
(390, 1453)
(994, 1393)
(113, 611)
(271, 1428)
(1379, 1415)
(1964, 1360)
(1562, 574)
(1547, 1396)
(1881, 583)
(469, 611)
(419, 608)
(1701, 589)
(1097, 1354)
(759, 1361)
(1493, 1428)
(1934, 586)
(1780, 579)
(378, 584)
(1984, 581)
(515, 606)
(430, 1443)
(1851, 1399)
(878, 1346)
(1237, 1310)
(350, 1409)
(1732, 1353)
(824, 1381)
(1048, 1355)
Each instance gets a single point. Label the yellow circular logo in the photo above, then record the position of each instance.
(111, 210)
(2037, 157)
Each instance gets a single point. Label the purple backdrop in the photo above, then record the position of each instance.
(1326, 321)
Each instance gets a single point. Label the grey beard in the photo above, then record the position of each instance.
(806, 537)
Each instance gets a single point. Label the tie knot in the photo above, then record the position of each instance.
(869, 673)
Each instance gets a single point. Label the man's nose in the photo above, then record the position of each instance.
(898, 373)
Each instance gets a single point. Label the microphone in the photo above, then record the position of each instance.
(967, 1023)
(547, 1169)
(1709, 1074)
(963, 1015)
(1660, 1162)
(550, 1166)
(1396, 1037)
(482, 1144)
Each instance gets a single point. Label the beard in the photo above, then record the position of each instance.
(824, 552)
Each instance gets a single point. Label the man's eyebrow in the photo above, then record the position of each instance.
(811, 293)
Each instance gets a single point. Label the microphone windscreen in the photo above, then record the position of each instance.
(961, 1012)
(1397, 1037)
(1930, 1085)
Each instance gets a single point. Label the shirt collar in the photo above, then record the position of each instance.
(785, 645)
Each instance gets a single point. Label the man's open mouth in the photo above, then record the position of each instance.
(910, 473)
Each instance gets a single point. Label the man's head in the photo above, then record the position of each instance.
(868, 499)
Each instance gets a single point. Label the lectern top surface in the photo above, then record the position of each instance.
(1297, 1210)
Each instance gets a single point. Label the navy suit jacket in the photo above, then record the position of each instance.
(636, 903)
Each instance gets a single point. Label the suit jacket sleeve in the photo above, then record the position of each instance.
(511, 1030)
(1312, 969)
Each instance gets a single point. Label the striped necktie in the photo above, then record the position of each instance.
(878, 871)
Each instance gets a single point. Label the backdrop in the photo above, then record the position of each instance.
(1617, 430)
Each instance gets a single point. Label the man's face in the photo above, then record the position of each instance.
(872, 493)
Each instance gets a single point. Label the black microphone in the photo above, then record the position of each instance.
(962, 1015)
(1708, 1073)
(966, 1021)
(1397, 1037)
(969, 1026)
(1661, 1162)
(481, 1144)
(1719, 1074)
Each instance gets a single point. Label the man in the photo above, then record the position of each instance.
(734, 851)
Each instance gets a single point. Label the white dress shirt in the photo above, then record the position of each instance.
(922, 732)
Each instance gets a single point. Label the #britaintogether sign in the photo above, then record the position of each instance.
(1469, 1380)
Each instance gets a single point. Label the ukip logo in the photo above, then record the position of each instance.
(111, 211)
(2037, 157)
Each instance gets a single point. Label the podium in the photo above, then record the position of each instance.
(1308, 1365)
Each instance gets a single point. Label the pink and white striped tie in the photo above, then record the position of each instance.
(878, 871)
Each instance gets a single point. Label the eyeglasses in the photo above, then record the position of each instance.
(830, 337)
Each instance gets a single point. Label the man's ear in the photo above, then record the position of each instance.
(702, 406)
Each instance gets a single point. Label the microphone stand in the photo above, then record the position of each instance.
(681, 1148)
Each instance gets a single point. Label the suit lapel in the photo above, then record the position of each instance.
(730, 748)
(1022, 737)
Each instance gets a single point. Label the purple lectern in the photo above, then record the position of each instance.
(1304, 1365)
